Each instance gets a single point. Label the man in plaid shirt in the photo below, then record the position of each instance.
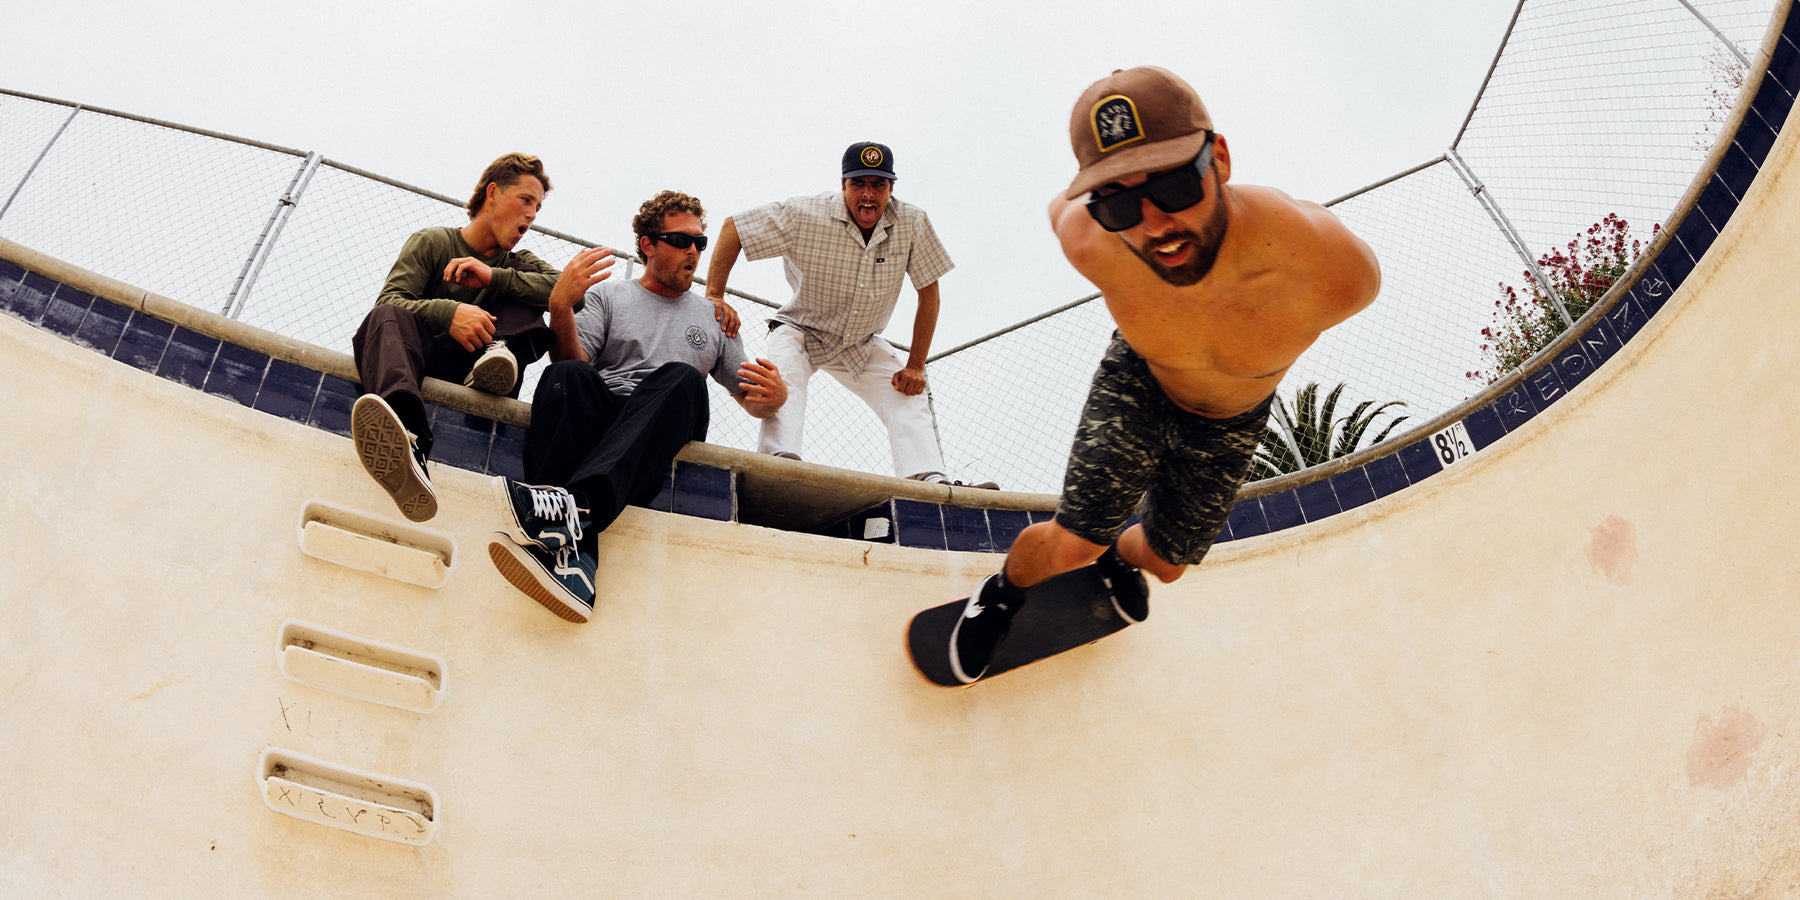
(846, 254)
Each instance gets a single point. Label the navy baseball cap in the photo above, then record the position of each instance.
(868, 158)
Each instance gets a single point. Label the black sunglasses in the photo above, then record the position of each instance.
(1172, 192)
(680, 239)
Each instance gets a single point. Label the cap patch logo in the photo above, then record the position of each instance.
(1115, 121)
(871, 157)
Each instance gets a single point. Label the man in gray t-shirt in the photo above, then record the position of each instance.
(626, 391)
(629, 331)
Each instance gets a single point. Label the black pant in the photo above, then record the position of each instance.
(612, 450)
(395, 352)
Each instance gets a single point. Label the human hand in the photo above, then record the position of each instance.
(910, 380)
(762, 383)
(472, 327)
(726, 315)
(588, 268)
(468, 272)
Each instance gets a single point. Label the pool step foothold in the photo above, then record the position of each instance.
(360, 667)
(381, 546)
(348, 799)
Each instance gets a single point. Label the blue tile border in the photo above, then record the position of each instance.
(703, 491)
(460, 439)
(1004, 526)
(30, 296)
(856, 527)
(64, 311)
(1353, 488)
(1282, 510)
(1386, 475)
(188, 358)
(1755, 137)
(237, 373)
(331, 409)
(664, 501)
(1515, 407)
(507, 454)
(1246, 520)
(288, 390)
(102, 326)
(145, 340)
(1317, 500)
(1420, 461)
(966, 528)
(11, 273)
(919, 524)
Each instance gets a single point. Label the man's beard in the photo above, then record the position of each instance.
(1206, 249)
(678, 280)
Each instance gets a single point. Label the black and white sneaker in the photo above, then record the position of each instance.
(392, 457)
(1129, 589)
(941, 478)
(495, 372)
(561, 580)
(978, 633)
(540, 516)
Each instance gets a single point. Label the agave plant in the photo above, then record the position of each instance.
(1313, 433)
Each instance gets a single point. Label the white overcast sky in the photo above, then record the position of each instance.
(742, 103)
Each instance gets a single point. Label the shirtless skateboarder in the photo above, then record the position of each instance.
(1216, 289)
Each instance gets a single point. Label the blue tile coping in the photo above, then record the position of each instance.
(311, 394)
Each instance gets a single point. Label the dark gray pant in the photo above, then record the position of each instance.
(1135, 450)
(395, 352)
(612, 450)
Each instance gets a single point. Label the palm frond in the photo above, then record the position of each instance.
(1302, 435)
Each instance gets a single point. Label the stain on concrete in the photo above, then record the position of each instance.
(1721, 751)
(1612, 549)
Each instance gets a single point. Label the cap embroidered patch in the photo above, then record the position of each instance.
(871, 157)
(1115, 121)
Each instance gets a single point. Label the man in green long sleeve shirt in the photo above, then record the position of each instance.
(462, 305)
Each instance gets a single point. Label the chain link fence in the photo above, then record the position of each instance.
(1591, 107)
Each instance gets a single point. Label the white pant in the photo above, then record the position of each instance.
(911, 434)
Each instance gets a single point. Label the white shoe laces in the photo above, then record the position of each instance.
(549, 503)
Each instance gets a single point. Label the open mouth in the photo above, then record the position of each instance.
(1171, 250)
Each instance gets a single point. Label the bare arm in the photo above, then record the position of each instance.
(1357, 271)
(472, 327)
(911, 380)
(718, 273)
(1083, 241)
(764, 389)
(586, 269)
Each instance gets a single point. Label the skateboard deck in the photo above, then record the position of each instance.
(1062, 613)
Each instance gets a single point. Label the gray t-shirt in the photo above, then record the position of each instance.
(629, 332)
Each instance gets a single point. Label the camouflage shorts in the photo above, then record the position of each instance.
(1134, 443)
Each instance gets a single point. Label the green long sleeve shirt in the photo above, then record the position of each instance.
(416, 282)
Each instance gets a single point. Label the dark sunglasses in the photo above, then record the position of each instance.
(680, 240)
(1172, 192)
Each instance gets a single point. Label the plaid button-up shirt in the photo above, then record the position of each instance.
(844, 291)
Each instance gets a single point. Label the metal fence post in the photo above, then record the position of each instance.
(265, 242)
(40, 158)
(1506, 228)
(1741, 58)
